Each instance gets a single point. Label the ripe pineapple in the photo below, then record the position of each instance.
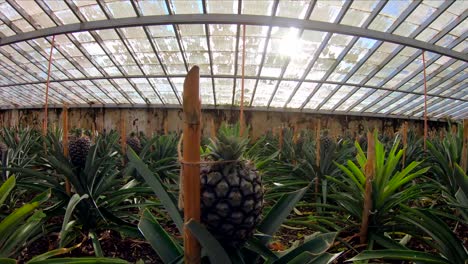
(78, 149)
(231, 192)
(134, 142)
(325, 142)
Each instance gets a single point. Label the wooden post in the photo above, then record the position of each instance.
(425, 102)
(46, 104)
(317, 155)
(370, 173)
(191, 148)
(295, 132)
(166, 125)
(123, 132)
(280, 137)
(464, 155)
(65, 142)
(212, 128)
(405, 141)
(241, 114)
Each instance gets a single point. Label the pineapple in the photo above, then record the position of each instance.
(134, 142)
(325, 142)
(231, 192)
(78, 149)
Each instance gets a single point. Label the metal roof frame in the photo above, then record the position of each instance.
(116, 82)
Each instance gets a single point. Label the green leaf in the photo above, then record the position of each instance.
(276, 216)
(213, 248)
(96, 245)
(74, 200)
(461, 179)
(162, 243)
(442, 237)
(7, 261)
(22, 233)
(316, 246)
(81, 260)
(396, 254)
(53, 253)
(8, 225)
(157, 187)
(6, 188)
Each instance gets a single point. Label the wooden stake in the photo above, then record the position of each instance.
(46, 104)
(405, 141)
(280, 131)
(425, 103)
(166, 126)
(241, 115)
(123, 132)
(370, 173)
(295, 132)
(464, 155)
(191, 148)
(317, 155)
(212, 128)
(65, 142)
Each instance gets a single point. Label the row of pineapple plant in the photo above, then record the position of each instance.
(271, 162)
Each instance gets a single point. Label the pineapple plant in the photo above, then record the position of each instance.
(134, 142)
(78, 149)
(231, 190)
(325, 142)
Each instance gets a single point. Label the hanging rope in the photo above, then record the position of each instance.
(425, 102)
(44, 124)
(241, 117)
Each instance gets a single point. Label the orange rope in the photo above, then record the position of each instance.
(241, 117)
(44, 128)
(425, 101)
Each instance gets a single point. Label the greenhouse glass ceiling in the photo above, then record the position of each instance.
(342, 57)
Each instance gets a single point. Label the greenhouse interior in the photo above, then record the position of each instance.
(223, 131)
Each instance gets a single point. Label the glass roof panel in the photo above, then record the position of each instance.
(284, 91)
(223, 88)
(340, 93)
(293, 9)
(354, 97)
(153, 8)
(279, 58)
(187, 6)
(257, 7)
(263, 93)
(320, 95)
(249, 85)
(222, 6)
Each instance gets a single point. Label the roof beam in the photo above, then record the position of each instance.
(234, 19)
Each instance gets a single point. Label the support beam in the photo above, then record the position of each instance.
(234, 19)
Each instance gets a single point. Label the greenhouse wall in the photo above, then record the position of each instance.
(152, 120)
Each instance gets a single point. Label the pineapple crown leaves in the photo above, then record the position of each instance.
(228, 145)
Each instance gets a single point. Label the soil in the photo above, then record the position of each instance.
(112, 244)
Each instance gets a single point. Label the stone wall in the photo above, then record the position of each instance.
(153, 120)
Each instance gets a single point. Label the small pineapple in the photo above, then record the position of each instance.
(325, 142)
(134, 142)
(78, 149)
(231, 192)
